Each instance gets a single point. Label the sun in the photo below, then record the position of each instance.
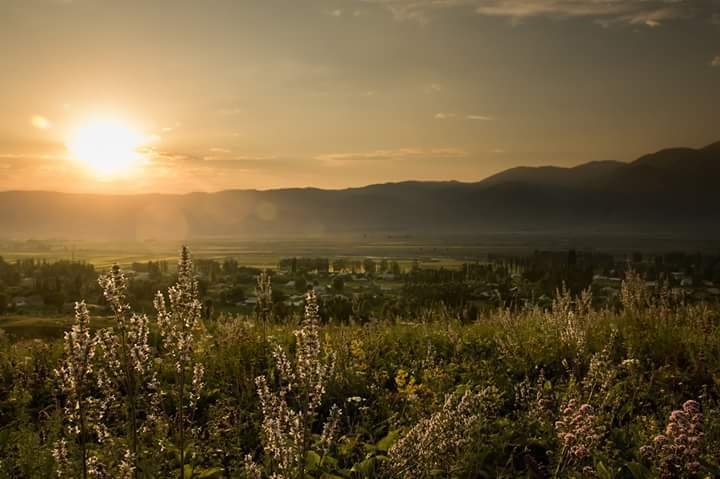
(107, 147)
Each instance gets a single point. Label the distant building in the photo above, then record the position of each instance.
(606, 281)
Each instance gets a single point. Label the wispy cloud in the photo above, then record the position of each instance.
(715, 62)
(396, 154)
(479, 117)
(471, 117)
(648, 12)
(434, 88)
(605, 12)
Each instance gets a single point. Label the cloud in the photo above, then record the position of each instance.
(448, 116)
(396, 154)
(715, 62)
(478, 117)
(219, 150)
(605, 12)
(334, 13)
(434, 88)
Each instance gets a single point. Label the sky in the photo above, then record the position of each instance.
(224, 94)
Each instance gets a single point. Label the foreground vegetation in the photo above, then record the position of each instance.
(565, 391)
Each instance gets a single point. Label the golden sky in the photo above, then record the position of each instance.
(223, 94)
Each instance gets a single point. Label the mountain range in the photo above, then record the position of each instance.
(672, 190)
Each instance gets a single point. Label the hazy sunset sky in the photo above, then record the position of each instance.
(336, 93)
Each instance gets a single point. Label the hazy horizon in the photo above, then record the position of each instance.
(174, 97)
(537, 168)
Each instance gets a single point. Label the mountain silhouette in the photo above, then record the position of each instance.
(672, 190)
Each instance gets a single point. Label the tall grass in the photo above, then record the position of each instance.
(570, 391)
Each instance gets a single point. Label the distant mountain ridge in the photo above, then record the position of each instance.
(670, 190)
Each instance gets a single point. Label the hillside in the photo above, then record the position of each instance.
(666, 191)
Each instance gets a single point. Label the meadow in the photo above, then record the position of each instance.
(259, 253)
(572, 390)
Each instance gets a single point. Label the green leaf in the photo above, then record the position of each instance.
(387, 442)
(211, 473)
(366, 468)
(602, 471)
(329, 462)
(637, 470)
(312, 460)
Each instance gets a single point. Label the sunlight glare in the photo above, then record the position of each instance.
(107, 147)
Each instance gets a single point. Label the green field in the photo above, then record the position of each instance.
(40, 327)
(261, 254)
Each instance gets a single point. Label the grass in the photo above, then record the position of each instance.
(42, 328)
(569, 392)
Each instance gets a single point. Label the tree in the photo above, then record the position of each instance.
(369, 266)
(301, 285)
(338, 284)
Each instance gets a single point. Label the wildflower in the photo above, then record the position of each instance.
(76, 375)
(359, 356)
(179, 322)
(127, 466)
(634, 294)
(536, 398)
(406, 385)
(601, 374)
(435, 442)
(578, 431)
(252, 471)
(630, 363)
(127, 367)
(569, 316)
(62, 461)
(286, 431)
(331, 427)
(677, 452)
